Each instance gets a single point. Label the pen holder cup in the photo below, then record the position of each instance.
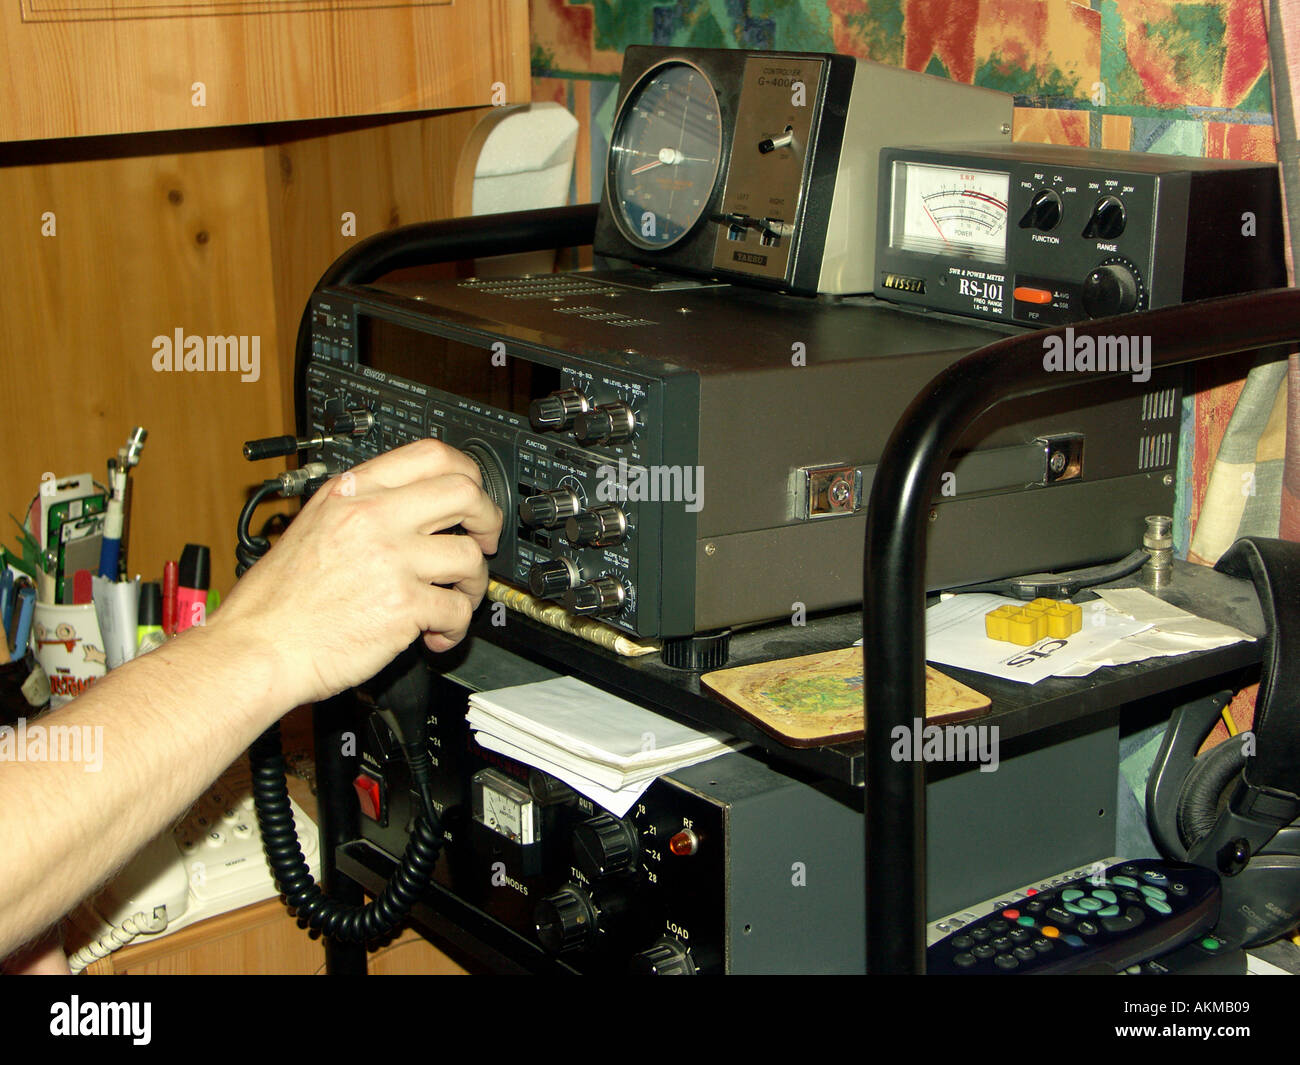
(69, 646)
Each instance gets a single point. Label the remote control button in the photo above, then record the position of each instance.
(1131, 870)
(1155, 876)
(1050, 931)
(1070, 894)
(1210, 943)
(1124, 881)
(964, 961)
(242, 831)
(980, 934)
(1133, 970)
(1109, 911)
(1021, 935)
(215, 838)
(1011, 915)
(1130, 896)
(1177, 887)
(1060, 916)
(1031, 891)
(1002, 905)
(1006, 961)
(1001, 943)
(1131, 919)
(1077, 909)
(1024, 953)
(1074, 941)
(1105, 895)
(1026, 921)
(1160, 906)
(1037, 906)
(983, 951)
(1153, 892)
(997, 925)
(1042, 945)
(962, 942)
(1091, 903)
(1087, 928)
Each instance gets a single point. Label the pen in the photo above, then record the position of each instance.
(192, 594)
(169, 582)
(111, 545)
(150, 612)
(6, 597)
(23, 612)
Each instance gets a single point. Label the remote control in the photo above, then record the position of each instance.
(1131, 912)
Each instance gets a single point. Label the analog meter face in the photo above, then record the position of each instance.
(950, 210)
(664, 155)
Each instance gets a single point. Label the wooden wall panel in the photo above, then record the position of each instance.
(70, 71)
(142, 246)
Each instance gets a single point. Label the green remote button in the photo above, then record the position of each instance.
(1124, 881)
(1210, 943)
(1091, 904)
(1109, 911)
(1025, 921)
(1160, 906)
(1074, 907)
(1070, 894)
(1152, 892)
(1105, 896)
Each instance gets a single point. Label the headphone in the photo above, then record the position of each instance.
(1236, 808)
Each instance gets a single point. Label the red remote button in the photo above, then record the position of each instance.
(1010, 915)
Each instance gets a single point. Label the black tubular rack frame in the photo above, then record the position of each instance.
(895, 550)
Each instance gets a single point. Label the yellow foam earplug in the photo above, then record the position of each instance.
(1025, 625)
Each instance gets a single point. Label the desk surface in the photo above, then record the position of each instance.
(1018, 709)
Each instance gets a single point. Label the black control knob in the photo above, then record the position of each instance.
(604, 845)
(596, 598)
(598, 527)
(667, 957)
(349, 422)
(566, 921)
(550, 580)
(1044, 211)
(557, 411)
(1110, 289)
(548, 509)
(610, 423)
(1107, 219)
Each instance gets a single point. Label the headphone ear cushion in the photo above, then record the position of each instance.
(1204, 791)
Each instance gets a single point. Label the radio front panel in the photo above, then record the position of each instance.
(404, 378)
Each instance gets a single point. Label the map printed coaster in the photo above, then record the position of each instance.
(817, 699)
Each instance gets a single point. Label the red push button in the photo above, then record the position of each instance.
(371, 796)
(1010, 915)
(1025, 294)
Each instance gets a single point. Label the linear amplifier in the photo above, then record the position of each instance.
(677, 458)
(1047, 235)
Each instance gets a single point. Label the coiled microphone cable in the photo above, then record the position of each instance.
(401, 694)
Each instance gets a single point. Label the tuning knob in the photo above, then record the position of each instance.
(557, 411)
(596, 598)
(604, 845)
(667, 957)
(1044, 211)
(566, 921)
(1110, 289)
(349, 422)
(610, 423)
(597, 527)
(1107, 219)
(547, 509)
(550, 580)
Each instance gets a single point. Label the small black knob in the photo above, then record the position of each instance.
(1110, 289)
(599, 527)
(611, 423)
(550, 580)
(557, 411)
(604, 845)
(349, 422)
(547, 509)
(1107, 219)
(1044, 211)
(667, 957)
(565, 921)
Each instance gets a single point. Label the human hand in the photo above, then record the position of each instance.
(365, 568)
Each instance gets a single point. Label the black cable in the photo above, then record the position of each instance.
(250, 548)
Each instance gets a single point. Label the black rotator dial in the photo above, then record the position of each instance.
(566, 920)
(547, 509)
(1113, 288)
(1107, 219)
(610, 423)
(550, 580)
(596, 598)
(604, 845)
(667, 957)
(599, 527)
(557, 411)
(1044, 211)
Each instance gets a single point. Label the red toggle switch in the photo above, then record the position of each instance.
(371, 796)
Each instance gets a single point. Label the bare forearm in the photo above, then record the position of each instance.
(153, 735)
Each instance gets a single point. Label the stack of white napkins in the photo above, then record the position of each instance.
(608, 749)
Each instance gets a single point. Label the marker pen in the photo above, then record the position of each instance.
(111, 545)
(196, 564)
(150, 612)
(169, 583)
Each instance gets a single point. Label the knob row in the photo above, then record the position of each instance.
(1106, 222)
(607, 423)
(601, 526)
(560, 579)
